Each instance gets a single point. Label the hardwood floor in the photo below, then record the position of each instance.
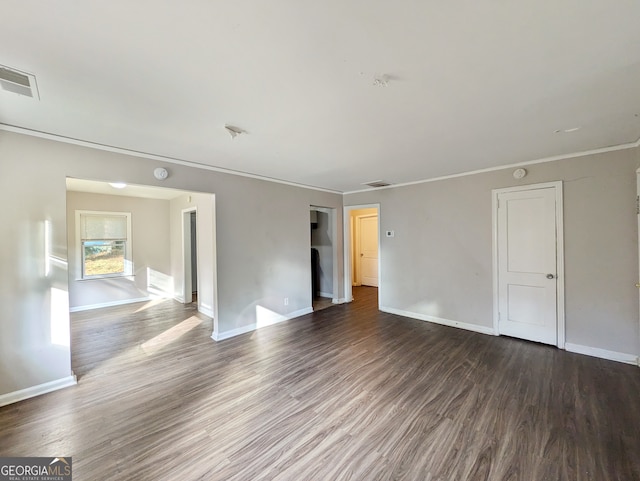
(347, 393)
(320, 303)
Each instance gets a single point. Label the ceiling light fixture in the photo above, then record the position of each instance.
(117, 185)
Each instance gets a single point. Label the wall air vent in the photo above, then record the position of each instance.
(377, 183)
(18, 82)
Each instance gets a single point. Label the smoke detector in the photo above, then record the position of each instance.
(17, 82)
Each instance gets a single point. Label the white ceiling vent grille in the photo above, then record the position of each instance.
(377, 183)
(18, 82)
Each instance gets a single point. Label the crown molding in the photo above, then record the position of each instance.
(146, 155)
(197, 165)
(612, 148)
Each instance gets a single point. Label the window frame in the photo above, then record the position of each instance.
(80, 246)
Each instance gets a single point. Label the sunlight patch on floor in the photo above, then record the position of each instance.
(167, 337)
(152, 303)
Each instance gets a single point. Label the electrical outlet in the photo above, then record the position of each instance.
(286, 301)
(391, 233)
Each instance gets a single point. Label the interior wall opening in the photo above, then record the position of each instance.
(324, 291)
(158, 271)
(362, 248)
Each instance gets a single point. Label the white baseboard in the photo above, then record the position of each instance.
(206, 310)
(88, 307)
(33, 391)
(299, 312)
(220, 336)
(342, 300)
(180, 299)
(602, 353)
(324, 294)
(439, 320)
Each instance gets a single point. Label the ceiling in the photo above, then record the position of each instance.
(461, 86)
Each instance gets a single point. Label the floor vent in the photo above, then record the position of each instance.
(18, 82)
(377, 183)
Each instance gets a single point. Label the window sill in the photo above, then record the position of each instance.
(106, 278)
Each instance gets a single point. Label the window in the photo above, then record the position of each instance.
(104, 240)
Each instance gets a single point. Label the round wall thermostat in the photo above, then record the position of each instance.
(519, 173)
(160, 173)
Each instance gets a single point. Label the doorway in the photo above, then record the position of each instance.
(190, 255)
(194, 259)
(323, 257)
(362, 248)
(528, 263)
(157, 243)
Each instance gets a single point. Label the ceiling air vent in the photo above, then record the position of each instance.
(377, 183)
(21, 83)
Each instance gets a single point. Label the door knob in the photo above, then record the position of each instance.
(550, 276)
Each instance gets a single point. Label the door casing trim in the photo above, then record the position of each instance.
(346, 235)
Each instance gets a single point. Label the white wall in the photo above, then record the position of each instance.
(150, 248)
(440, 261)
(263, 249)
(262, 242)
(33, 299)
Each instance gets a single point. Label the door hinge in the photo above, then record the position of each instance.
(638, 204)
(498, 203)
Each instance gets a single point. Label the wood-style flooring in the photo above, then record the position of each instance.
(320, 303)
(347, 393)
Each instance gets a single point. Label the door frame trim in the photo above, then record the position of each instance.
(560, 306)
(335, 229)
(348, 275)
(187, 288)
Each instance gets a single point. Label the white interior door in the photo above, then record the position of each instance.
(527, 249)
(368, 250)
